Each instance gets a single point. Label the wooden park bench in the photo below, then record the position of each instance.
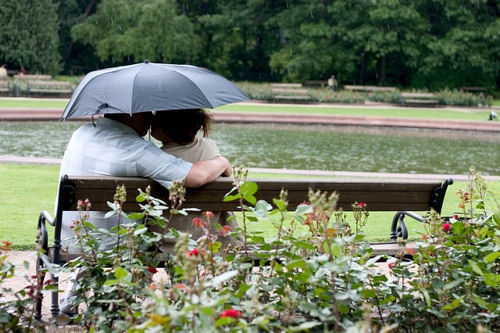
(419, 99)
(59, 88)
(4, 88)
(400, 196)
(289, 92)
(317, 83)
(32, 77)
(368, 89)
(475, 90)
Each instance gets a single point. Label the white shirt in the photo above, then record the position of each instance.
(113, 149)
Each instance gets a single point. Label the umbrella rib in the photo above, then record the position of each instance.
(194, 83)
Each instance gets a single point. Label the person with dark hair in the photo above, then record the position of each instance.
(177, 130)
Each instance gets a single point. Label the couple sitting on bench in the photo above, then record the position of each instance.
(114, 146)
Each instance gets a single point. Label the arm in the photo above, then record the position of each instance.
(203, 172)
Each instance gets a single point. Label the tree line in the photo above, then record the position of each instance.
(430, 44)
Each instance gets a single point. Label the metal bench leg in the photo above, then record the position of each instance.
(401, 230)
(42, 246)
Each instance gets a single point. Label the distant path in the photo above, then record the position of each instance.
(17, 114)
(314, 173)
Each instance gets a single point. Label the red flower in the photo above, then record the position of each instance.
(197, 222)
(193, 252)
(231, 313)
(208, 214)
(446, 227)
(225, 230)
(152, 270)
(362, 204)
(390, 265)
(455, 216)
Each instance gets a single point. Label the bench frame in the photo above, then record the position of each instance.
(400, 196)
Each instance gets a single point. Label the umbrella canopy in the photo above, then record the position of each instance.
(150, 87)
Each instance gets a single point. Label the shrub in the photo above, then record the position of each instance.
(393, 97)
(458, 98)
(324, 95)
(317, 273)
(16, 307)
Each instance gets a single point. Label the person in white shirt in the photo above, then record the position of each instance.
(114, 146)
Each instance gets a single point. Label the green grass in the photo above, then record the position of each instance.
(365, 111)
(33, 103)
(296, 109)
(26, 190)
(496, 102)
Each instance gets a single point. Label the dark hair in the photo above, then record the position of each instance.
(181, 126)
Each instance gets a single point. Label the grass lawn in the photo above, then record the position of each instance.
(305, 109)
(364, 111)
(496, 102)
(28, 189)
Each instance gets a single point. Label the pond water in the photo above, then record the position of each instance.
(304, 147)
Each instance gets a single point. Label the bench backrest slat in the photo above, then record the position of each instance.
(379, 195)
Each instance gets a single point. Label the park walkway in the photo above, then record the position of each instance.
(308, 173)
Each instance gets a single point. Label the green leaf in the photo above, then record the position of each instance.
(224, 321)
(248, 188)
(231, 197)
(216, 281)
(120, 273)
(475, 267)
(303, 209)
(214, 247)
(452, 284)
(141, 197)
(136, 216)
(304, 245)
(491, 279)
(207, 311)
(491, 257)
(250, 198)
(481, 302)
(280, 204)
(368, 293)
(426, 296)
(304, 326)
(453, 305)
(458, 228)
(296, 263)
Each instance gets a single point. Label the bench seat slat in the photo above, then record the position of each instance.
(386, 196)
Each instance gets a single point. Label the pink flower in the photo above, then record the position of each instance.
(362, 204)
(193, 252)
(152, 270)
(390, 265)
(208, 214)
(231, 313)
(446, 227)
(197, 222)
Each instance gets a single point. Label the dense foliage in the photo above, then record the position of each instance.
(29, 35)
(315, 274)
(424, 44)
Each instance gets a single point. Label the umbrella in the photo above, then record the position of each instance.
(150, 87)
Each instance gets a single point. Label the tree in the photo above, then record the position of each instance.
(78, 58)
(128, 31)
(28, 36)
(463, 49)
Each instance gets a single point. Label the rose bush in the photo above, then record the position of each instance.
(316, 273)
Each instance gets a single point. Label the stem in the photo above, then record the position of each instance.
(377, 302)
(282, 219)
